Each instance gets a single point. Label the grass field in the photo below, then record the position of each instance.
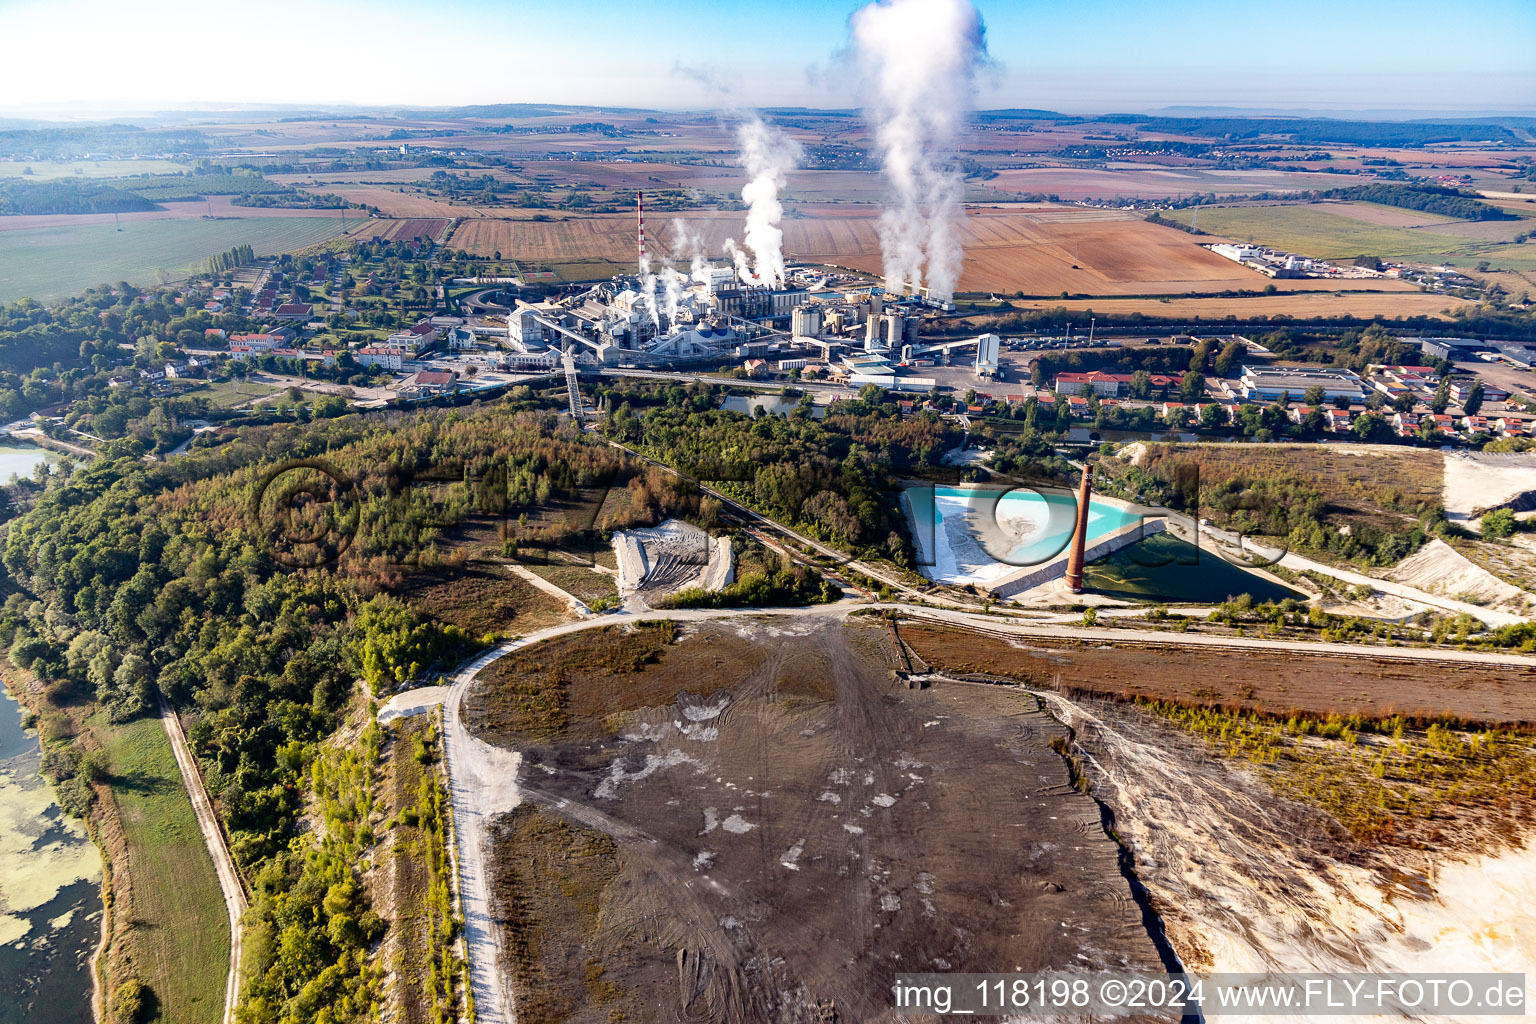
(228, 394)
(178, 937)
(1314, 230)
(42, 170)
(50, 263)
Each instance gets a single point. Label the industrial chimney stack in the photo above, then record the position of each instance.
(640, 211)
(1080, 533)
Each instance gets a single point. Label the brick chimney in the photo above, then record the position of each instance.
(1080, 533)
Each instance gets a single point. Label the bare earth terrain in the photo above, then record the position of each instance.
(1277, 683)
(772, 827)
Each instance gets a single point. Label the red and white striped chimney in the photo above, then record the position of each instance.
(640, 208)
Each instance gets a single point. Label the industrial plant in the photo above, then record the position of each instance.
(852, 329)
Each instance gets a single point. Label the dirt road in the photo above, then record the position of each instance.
(223, 864)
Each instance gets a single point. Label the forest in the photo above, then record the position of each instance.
(834, 478)
(129, 579)
(1450, 202)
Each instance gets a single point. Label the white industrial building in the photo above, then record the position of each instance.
(1268, 383)
(988, 347)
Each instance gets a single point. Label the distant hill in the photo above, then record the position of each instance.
(1322, 130)
(495, 110)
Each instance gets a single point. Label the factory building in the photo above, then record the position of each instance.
(1268, 383)
(805, 322)
(987, 349)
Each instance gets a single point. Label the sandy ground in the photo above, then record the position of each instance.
(671, 557)
(1414, 599)
(1440, 569)
(413, 702)
(1249, 881)
(807, 833)
(1476, 481)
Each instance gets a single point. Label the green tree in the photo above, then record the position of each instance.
(1501, 522)
(1226, 360)
(1474, 400)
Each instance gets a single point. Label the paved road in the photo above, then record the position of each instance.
(223, 864)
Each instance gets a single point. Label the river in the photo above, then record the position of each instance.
(50, 890)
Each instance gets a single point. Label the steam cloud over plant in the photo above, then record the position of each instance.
(768, 155)
(918, 59)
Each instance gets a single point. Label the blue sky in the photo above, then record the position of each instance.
(1078, 56)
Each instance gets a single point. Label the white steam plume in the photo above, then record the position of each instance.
(768, 155)
(648, 288)
(685, 245)
(919, 60)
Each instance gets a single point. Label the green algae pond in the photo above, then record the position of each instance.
(50, 890)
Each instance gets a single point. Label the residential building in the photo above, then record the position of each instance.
(253, 342)
(1461, 388)
(531, 362)
(390, 357)
(429, 383)
(418, 337)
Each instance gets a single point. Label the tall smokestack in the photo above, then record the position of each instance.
(640, 212)
(1080, 533)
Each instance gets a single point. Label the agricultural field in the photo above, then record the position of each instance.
(404, 230)
(1317, 229)
(395, 201)
(1151, 181)
(170, 928)
(1361, 304)
(44, 170)
(1029, 248)
(52, 262)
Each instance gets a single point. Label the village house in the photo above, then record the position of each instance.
(390, 357)
(429, 383)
